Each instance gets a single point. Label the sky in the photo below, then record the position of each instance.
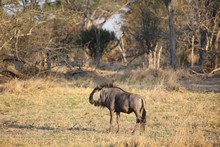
(113, 24)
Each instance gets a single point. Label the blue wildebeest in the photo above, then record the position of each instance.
(117, 100)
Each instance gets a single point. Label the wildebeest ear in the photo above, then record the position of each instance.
(96, 95)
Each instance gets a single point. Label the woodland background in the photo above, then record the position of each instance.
(37, 38)
(54, 52)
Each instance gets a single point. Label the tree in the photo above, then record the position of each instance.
(208, 12)
(197, 24)
(36, 40)
(98, 41)
(172, 34)
(144, 28)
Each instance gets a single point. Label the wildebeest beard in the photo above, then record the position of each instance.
(99, 104)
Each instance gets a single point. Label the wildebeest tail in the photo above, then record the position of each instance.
(144, 113)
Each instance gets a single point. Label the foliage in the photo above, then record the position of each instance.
(191, 18)
(98, 42)
(144, 24)
(42, 37)
(38, 39)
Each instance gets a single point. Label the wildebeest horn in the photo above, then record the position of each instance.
(98, 86)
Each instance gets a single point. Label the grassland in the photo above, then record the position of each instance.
(42, 113)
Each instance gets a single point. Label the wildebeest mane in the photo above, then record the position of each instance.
(110, 85)
(106, 85)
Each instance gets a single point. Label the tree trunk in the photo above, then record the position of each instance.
(48, 62)
(123, 51)
(172, 34)
(158, 57)
(151, 60)
(202, 52)
(155, 56)
(172, 37)
(192, 53)
(1, 7)
(97, 55)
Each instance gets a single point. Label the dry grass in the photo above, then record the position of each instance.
(17, 86)
(41, 112)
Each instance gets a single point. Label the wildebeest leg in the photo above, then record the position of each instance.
(143, 126)
(118, 119)
(111, 120)
(138, 121)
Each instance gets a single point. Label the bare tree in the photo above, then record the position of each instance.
(172, 34)
(205, 25)
(143, 31)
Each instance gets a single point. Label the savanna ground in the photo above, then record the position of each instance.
(55, 112)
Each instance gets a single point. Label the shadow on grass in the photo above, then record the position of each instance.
(31, 127)
(82, 129)
(48, 128)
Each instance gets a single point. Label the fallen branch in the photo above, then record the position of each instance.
(217, 69)
(10, 72)
(200, 74)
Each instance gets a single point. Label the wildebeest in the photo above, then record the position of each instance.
(117, 100)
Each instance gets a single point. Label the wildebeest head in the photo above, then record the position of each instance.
(95, 96)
